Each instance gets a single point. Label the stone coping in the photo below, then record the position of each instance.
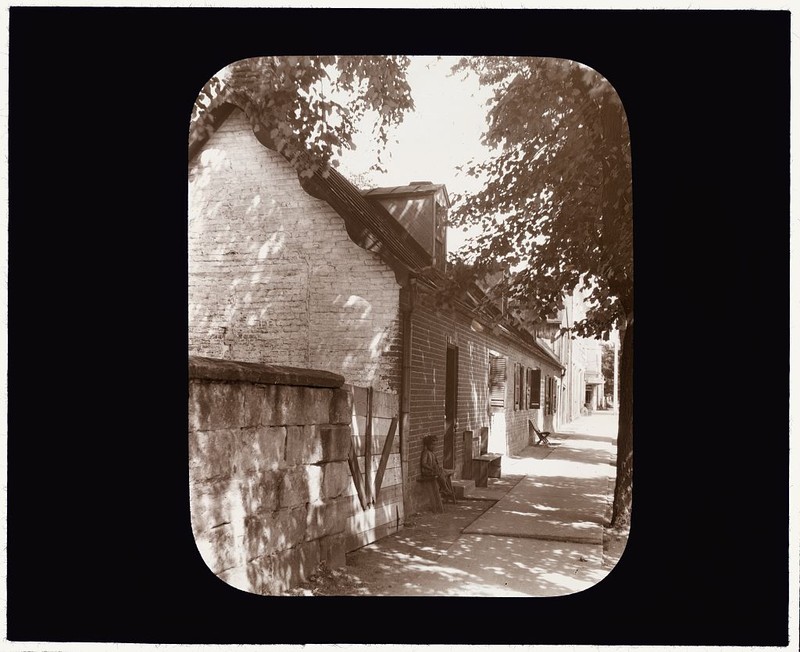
(201, 368)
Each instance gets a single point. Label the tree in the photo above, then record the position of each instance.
(555, 209)
(608, 364)
(311, 105)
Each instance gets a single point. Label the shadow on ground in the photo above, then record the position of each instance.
(431, 557)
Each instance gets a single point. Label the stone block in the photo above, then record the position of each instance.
(294, 566)
(323, 518)
(260, 576)
(213, 502)
(210, 454)
(254, 405)
(214, 405)
(303, 445)
(294, 487)
(271, 445)
(335, 442)
(258, 449)
(286, 529)
(260, 493)
(335, 480)
(341, 407)
(256, 536)
(220, 548)
(314, 478)
(291, 405)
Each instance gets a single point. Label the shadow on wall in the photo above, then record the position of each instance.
(272, 490)
(272, 269)
(268, 471)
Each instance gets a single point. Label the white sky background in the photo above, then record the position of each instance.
(442, 133)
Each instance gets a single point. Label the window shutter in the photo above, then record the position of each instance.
(497, 382)
(525, 397)
(536, 389)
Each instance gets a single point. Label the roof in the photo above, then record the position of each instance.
(415, 188)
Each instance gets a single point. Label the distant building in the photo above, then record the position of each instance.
(583, 385)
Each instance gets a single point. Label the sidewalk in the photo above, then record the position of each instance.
(537, 531)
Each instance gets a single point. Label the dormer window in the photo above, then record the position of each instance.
(421, 209)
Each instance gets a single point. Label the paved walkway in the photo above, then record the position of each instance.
(537, 531)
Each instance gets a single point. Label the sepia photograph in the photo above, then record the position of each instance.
(410, 327)
(321, 327)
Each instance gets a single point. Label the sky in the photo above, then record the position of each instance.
(442, 133)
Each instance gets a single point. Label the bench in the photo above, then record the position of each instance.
(486, 466)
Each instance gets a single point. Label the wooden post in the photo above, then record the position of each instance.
(355, 471)
(368, 489)
(466, 465)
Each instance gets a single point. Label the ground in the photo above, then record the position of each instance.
(366, 572)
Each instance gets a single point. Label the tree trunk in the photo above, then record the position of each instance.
(623, 491)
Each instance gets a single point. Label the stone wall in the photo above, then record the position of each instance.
(274, 276)
(270, 455)
(268, 471)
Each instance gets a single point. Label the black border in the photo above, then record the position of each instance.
(99, 547)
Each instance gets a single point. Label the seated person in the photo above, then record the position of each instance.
(430, 467)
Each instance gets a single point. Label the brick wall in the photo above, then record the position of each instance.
(430, 332)
(273, 275)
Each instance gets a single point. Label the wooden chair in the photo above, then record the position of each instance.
(540, 434)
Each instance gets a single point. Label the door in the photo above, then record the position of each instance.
(450, 407)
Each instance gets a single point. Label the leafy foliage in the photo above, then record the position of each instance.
(555, 203)
(311, 105)
(609, 352)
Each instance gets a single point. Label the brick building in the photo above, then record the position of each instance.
(311, 272)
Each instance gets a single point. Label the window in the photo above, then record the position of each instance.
(535, 389)
(497, 381)
(516, 386)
